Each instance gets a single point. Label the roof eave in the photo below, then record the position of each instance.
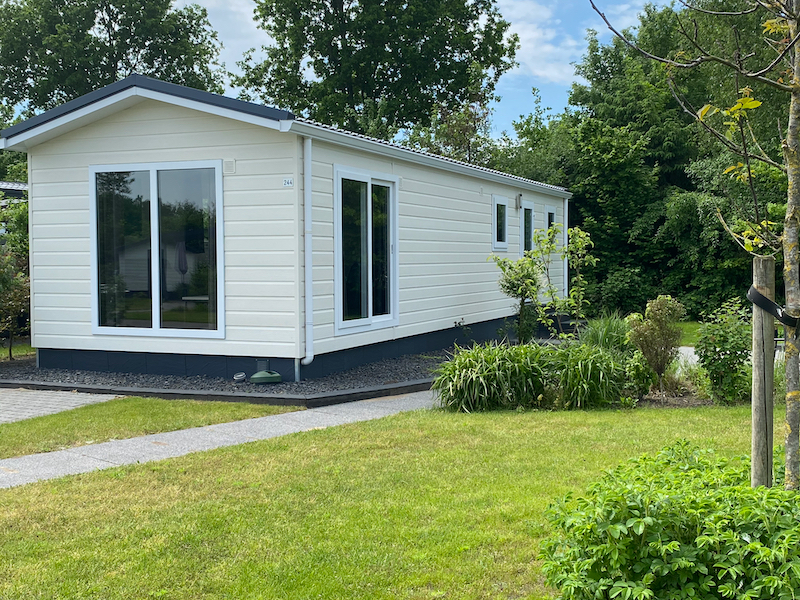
(344, 138)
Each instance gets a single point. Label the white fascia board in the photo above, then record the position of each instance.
(73, 120)
(121, 101)
(353, 141)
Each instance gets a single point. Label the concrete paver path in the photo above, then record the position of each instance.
(19, 404)
(37, 467)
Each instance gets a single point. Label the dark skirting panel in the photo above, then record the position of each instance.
(225, 366)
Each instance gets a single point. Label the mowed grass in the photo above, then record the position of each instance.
(418, 505)
(690, 330)
(18, 350)
(119, 419)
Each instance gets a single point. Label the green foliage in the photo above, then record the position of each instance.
(52, 52)
(609, 331)
(501, 376)
(492, 376)
(640, 376)
(521, 279)
(657, 334)
(682, 524)
(723, 348)
(15, 292)
(357, 65)
(464, 131)
(14, 220)
(587, 376)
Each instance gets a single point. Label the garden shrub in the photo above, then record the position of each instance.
(609, 331)
(587, 376)
(723, 349)
(492, 376)
(656, 334)
(639, 376)
(682, 524)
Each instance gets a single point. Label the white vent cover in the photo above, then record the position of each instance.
(228, 167)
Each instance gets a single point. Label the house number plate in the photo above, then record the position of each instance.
(288, 182)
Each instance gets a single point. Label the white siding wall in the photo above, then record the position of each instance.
(261, 228)
(445, 238)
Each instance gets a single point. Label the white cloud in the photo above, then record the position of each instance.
(547, 44)
(233, 22)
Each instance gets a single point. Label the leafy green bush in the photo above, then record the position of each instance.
(587, 376)
(723, 348)
(639, 376)
(684, 524)
(657, 334)
(492, 376)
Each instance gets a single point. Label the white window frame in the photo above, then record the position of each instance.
(156, 330)
(370, 323)
(498, 244)
(526, 205)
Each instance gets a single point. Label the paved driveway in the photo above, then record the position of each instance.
(19, 404)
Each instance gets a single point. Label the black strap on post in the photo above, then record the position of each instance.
(768, 305)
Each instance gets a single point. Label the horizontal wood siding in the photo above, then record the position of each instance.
(260, 222)
(445, 239)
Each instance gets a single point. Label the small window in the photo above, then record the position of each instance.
(157, 249)
(500, 223)
(526, 227)
(551, 216)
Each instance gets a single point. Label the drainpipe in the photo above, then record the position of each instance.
(566, 241)
(308, 255)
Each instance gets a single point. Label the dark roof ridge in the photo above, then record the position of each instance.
(155, 85)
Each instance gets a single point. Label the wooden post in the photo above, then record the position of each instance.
(763, 374)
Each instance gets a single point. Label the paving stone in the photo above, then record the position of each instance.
(27, 469)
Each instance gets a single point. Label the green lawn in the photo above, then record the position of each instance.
(19, 350)
(419, 505)
(118, 419)
(690, 329)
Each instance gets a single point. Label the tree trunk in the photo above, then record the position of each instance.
(791, 270)
(763, 375)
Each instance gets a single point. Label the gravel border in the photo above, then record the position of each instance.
(370, 380)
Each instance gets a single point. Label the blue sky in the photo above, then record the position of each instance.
(552, 36)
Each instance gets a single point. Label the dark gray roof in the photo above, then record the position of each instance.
(155, 85)
(13, 189)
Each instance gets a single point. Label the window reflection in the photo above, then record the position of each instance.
(123, 249)
(187, 231)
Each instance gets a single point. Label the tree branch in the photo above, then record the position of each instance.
(688, 109)
(705, 57)
(719, 13)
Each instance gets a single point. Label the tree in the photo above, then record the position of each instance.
(375, 66)
(462, 133)
(52, 51)
(14, 279)
(780, 26)
(13, 165)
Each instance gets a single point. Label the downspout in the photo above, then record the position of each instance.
(308, 239)
(566, 241)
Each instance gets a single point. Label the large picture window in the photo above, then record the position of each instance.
(366, 290)
(158, 249)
